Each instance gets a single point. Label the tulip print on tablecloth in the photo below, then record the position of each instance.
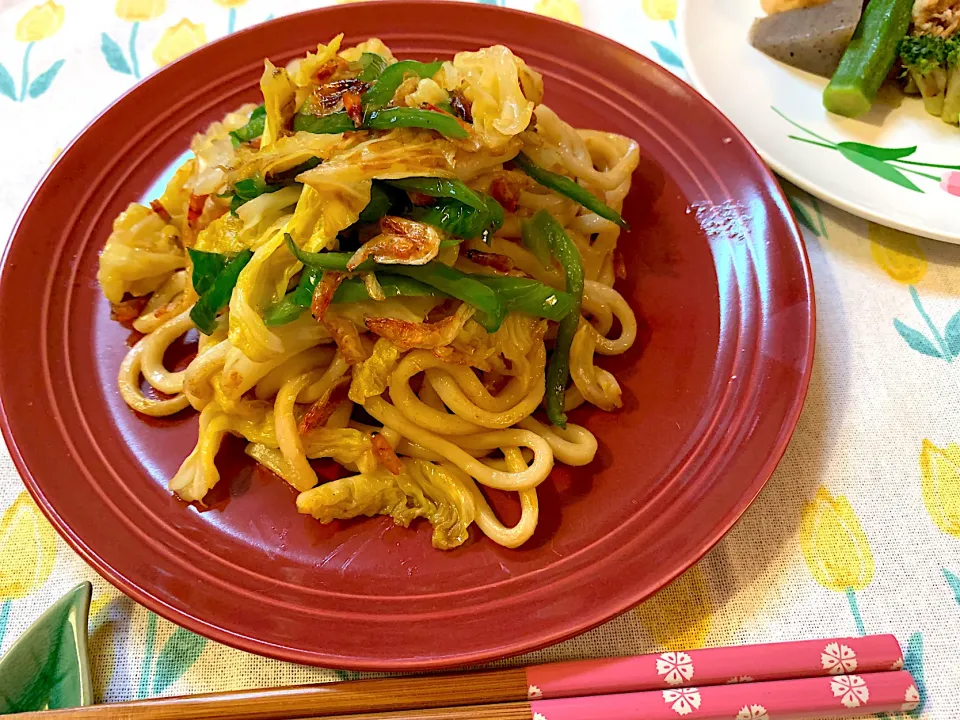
(28, 549)
(803, 216)
(680, 616)
(901, 257)
(837, 553)
(940, 481)
(161, 669)
(37, 24)
(178, 40)
(836, 549)
(664, 11)
(231, 6)
(953, 582)
(134, 12)
(566, 10)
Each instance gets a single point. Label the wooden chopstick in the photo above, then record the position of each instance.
(760, 664)
(822, 697)
(392, 694)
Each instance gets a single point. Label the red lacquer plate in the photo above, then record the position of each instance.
(712, 389)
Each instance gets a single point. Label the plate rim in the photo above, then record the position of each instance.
(802, 181)
(543, 639)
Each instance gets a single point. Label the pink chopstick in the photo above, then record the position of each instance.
(844, 675)
(820, 697)
(715, 666)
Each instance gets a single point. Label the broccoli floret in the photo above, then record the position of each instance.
(924, 57)
(951, 102)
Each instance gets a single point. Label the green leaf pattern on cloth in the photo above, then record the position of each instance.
(114, 55)
(42, 82)
(179, 653)
(8, 87)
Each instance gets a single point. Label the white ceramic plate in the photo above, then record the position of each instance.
(774, 105)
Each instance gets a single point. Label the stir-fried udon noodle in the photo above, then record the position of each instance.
(404, 267)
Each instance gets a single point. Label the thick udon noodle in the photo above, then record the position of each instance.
(454, 432)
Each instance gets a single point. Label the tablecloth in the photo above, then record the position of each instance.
(857, 532)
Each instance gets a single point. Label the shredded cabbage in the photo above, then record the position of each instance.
(140, 255)
(320, 215)
(373, 45)
(279, 100)
(426, 92)
(256, 222)
(502, 89)
(303, 71)
(515, 339)
(401, 153)
(421, 490)
(345, 445)
(176, 196)
(198, 473)
(262, 282)
(285, 153)
(371, 377)
(214, 151)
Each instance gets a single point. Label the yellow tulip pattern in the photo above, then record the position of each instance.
(839, 557)
(680, 616)
(663, 11)
(140, 10)
(28, 548)
(660, 9)
(178, 40)
(38, 23)
(566, 10)
(835, 547)
(940, 482)
(898, 254)
(134, 12)
(901, 257)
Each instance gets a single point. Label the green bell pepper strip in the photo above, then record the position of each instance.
(442, 188)
(380, 203)
(385, 87)
(537, 243)
(460, 220)
(568, 188)
(246, 190)
(351, 290)
(253, 129)
(338, 122)
(326, 260)
(389, 118)
(289, 176)
(529, 296)
(558, 370)
(461, 286)
(217, 296)
(206, 267)
(292, 304)
(372, 66)
(283, 312)
(386, 119)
